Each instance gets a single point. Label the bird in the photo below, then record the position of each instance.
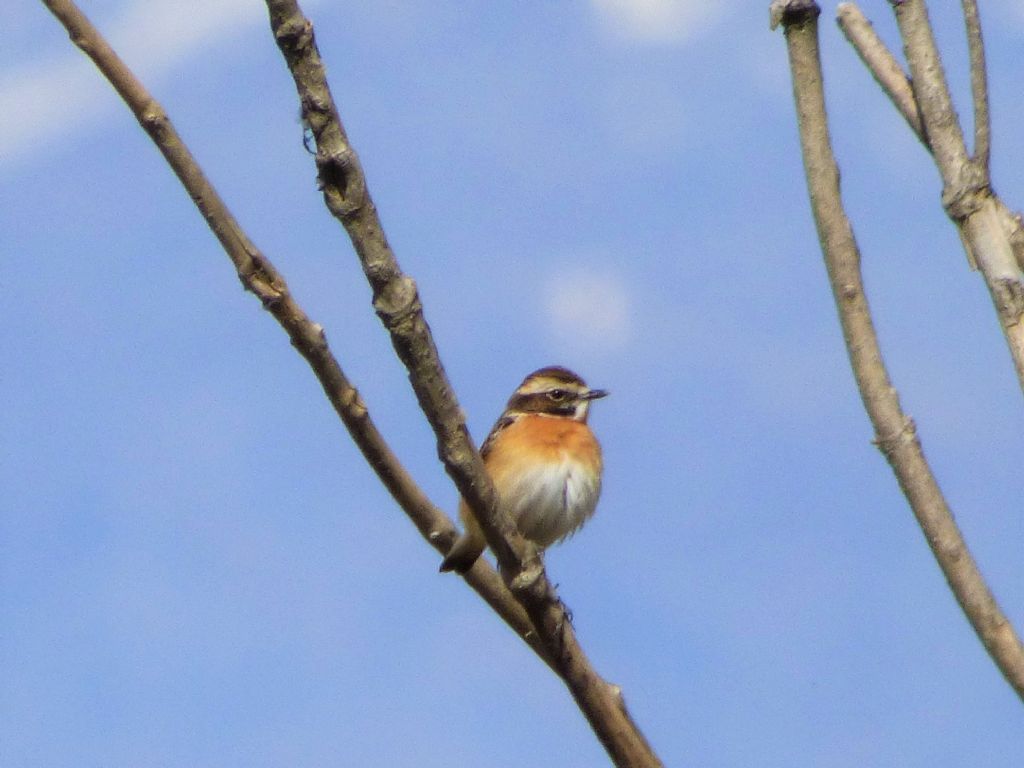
(544, 461)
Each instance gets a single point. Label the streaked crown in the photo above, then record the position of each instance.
(554, 391)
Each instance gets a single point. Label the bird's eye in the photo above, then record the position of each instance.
(558, 395)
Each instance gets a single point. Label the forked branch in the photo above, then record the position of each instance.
(259, 276)
(395, 299)
(895, 434)
(549, 632)
(992, 235)
(967, 189)
(881, 64)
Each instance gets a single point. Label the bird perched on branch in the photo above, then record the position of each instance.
(544, 461)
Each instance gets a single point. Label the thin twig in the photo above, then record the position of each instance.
(881, 63)
(259, 276)
(895, 433)
(396, 301)
(979, 85)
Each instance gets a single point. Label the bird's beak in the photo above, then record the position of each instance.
(595, 394)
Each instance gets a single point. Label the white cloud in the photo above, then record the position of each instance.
(656, 21)
(45, 100)
(42, 102)
(587, 309)
(153, 36)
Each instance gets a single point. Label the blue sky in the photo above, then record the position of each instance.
(197, 568)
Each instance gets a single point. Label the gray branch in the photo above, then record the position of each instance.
(397, 303)
(895, 434)
(259, 276)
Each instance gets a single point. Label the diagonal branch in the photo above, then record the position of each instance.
(395, 297)
(931, 93)
(881, 64)
(397, 304)
(895, 433)
(259, 276)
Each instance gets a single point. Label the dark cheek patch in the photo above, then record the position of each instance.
(539, 402)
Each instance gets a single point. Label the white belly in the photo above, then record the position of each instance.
(552, 501)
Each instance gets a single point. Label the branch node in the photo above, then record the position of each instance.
(967, 194)
(791, 12)
(889, 443)
(882, 65)
(294, 32)
(398, 301)
(261, 279)
(352, 401)
(342, 181)
(1009, 296)
(269, 300)
(953, 550)
(319, 336)
(156, 123)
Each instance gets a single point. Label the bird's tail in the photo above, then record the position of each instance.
(467, 548)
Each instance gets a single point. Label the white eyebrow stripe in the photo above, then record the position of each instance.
(540, 385)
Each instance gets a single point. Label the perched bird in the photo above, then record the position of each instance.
(544, 461)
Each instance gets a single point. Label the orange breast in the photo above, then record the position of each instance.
(547, 472)
(542, 439)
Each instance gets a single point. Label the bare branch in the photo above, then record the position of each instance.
(395, 297)
(967, 194)
(888, 73)
(931, 92)
(259, 276)
(895, 433)
(881, 63)
(1013, 228)
(397, 304)
(979, 85)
